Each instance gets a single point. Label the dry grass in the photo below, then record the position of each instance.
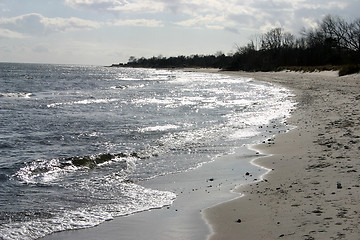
(343, 69)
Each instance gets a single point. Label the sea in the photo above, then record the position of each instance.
(78, 142)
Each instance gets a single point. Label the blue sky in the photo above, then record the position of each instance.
(103, 32)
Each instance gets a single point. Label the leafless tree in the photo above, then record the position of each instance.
(346, 35)
(277, 38)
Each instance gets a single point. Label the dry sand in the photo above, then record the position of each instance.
(313, 189)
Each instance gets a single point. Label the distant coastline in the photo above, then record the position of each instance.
(341, 69)
(333, 45)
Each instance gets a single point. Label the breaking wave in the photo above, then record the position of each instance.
(43, 171)
(16, 95)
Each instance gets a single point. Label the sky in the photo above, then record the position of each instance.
(102, 32)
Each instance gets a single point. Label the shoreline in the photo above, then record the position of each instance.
(285, 204)
(312, 191)
(196, 190)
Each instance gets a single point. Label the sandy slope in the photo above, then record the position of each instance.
(313, 190)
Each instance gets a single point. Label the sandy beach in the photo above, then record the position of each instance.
(313, 189)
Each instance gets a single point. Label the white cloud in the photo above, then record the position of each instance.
(95, 4)
(118, 5)
(35, 24)
(209, 21)
(66, 24)
(231, 14)
(137, 23)
(6, 33)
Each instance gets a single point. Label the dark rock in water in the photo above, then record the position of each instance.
(103, 158)
(121, 87)
(338, 186)
(85, 161)
(247, 174)
(134, 154)
(238, 221)
(211, 179)
(122, 155)
(90, 161)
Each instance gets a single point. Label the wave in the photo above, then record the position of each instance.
(16, 95)
(121, 87)
(84, 102)
(158, 128)
(109, 195)
(139, 199)
(44, 171)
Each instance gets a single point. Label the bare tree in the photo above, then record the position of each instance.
(354, 35)
(277, 38)
(346, 35)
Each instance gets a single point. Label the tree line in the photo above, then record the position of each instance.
(335, 42)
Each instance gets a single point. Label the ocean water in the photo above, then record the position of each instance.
(77, 142)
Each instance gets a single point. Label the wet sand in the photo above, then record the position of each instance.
(196, 190)
(312, 190)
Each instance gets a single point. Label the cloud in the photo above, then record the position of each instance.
(209, 21)
(6, 33)
(95, 4)
(70, 24)
(35, 24)
(209, 14)
(137, 23)
(234, 15)
(138, 6)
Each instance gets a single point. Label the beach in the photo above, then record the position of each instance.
(309, 188)
(312, 190)
(197, 127)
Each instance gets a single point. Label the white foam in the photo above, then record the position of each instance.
(140, 199)
(43, 171)
(84, 102)
(158, 128)
(16, 95)
(154, 101)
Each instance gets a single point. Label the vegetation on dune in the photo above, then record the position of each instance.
(333, 45)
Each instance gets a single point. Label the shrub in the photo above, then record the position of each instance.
(349, 69)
